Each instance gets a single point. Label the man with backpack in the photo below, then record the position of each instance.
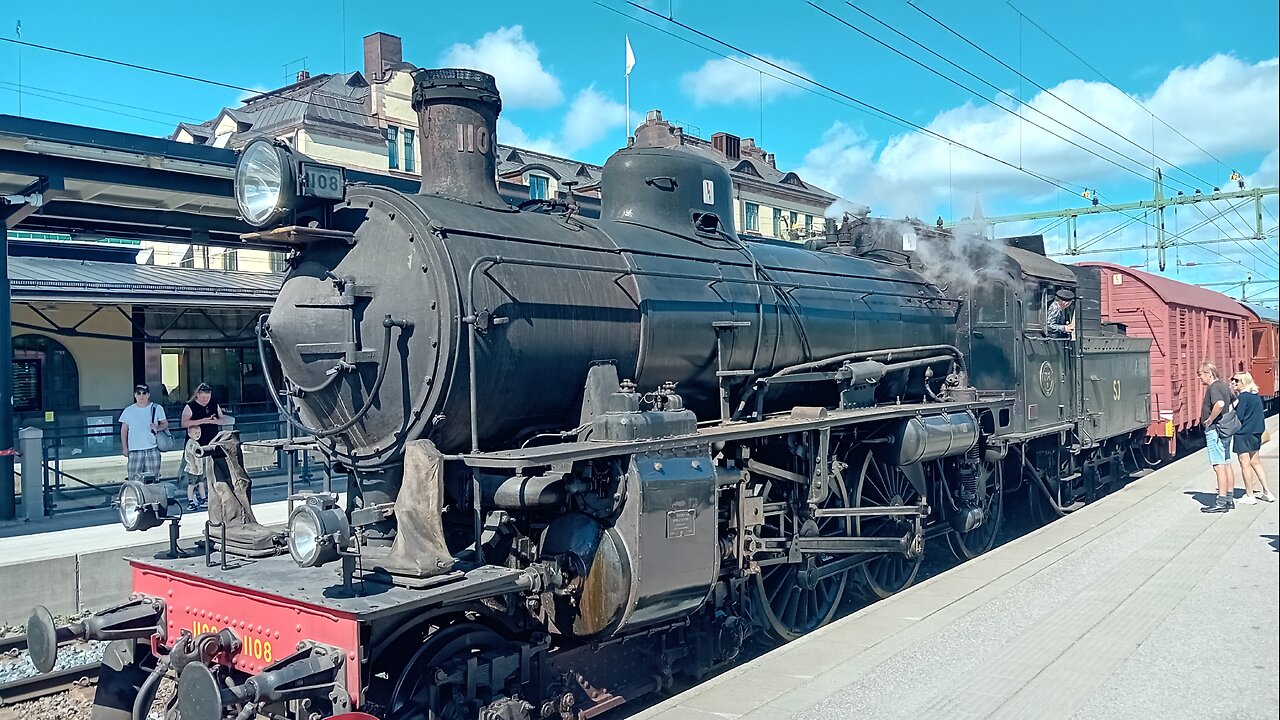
(1217, 400)
(139, 424)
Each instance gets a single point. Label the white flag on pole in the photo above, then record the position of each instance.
(631, 57)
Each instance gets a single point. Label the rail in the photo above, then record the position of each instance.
(42, 685)
(38, 686)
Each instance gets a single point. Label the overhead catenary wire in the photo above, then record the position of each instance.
(1205, 248)
(62, 94)
(27, 90)
(178, 75)
(1250, 253)
(1055, 96)
(730, 58)
(999, 90)
(1099, 73)
(879, 111)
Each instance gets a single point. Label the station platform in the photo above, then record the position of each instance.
(1136, 606)
(83, 568)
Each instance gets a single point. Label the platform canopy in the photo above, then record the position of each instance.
(78, 281)
(102, 183)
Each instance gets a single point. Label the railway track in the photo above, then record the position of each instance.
(38, 686)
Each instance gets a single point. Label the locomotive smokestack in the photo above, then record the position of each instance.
(457, 119)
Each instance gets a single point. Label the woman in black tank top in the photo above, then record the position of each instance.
(200, 408)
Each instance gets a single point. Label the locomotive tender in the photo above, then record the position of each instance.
(589, 456)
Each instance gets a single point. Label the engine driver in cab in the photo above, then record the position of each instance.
(1058, 322)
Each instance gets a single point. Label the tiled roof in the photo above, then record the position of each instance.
(334, 100)
(754, 167)
(340, 100)
(513, 160)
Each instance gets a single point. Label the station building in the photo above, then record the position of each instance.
(131, 268)
(365, 120)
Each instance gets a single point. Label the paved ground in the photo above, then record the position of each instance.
(1137, 606)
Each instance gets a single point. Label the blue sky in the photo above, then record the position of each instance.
(1210, 73)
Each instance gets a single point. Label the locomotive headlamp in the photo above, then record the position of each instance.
(273, 181)
(318, 531)
(143, 506)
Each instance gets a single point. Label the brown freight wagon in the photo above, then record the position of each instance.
(1263, 332)
(1187, 325)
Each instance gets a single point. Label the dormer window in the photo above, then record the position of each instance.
(539, 186)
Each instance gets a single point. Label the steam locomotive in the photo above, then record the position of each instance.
(588, 457)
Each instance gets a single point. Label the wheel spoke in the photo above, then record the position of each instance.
(881, 485)
(789, 608)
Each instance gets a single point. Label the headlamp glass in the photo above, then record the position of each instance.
(304, 536)
(130, 506)
(260, 178)
(318, 532)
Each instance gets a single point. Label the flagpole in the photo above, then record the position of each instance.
(18, 32)
(630, 63)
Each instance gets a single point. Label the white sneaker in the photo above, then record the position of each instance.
(1266, 497)
(1248, 500)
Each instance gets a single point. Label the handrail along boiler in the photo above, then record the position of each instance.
(585, 456)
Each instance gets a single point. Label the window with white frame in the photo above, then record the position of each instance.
(539, 186)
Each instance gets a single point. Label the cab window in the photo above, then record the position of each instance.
(991, 300)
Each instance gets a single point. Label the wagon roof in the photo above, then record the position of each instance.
(1262, 312)
(1178, 293)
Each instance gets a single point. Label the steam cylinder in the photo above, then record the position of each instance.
(547, 295)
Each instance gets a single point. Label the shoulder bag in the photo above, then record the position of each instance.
(164, 441)
(1228, 424)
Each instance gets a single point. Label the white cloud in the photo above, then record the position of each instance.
(840, 161)
(1267, 174)
(725, 81)
(513, 61)
(591, 118)
(1225, 105)
(511, 134)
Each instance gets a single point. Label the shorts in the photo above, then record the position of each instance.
(202, 466)
(1246, 442)
(144, 464)
(1218, 447)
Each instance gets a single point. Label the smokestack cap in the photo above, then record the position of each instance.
(454, 84)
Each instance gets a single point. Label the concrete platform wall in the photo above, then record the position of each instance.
(89, 580)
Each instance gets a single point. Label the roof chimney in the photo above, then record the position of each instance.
(727, 145)
(381, 52)
(303, 75)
